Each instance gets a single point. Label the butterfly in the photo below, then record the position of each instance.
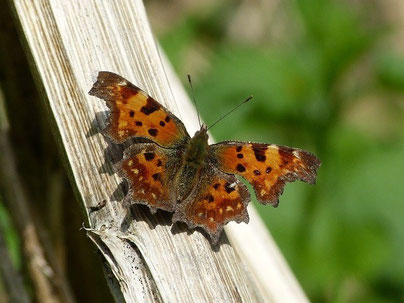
(196, 181)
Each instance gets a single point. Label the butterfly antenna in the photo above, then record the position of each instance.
(224, 116)
(193, 97)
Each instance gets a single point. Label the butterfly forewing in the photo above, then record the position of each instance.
(267, 167)
(135, 114)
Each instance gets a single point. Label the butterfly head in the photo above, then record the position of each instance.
(202, 134)
(198, 146)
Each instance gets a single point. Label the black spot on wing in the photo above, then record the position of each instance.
(153, 132)
(240, 168)
(259, 154)
(150, 107)
(210, 198)
(149, 156)
(156, 176)
(229, 188)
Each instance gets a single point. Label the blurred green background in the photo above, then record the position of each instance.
(327, 76)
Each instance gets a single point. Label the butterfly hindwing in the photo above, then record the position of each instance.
(136, 114)
(267, 167)
(217, 199)
(150, 170)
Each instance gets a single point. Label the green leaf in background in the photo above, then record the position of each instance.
(391, 71)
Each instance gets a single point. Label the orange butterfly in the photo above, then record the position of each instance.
(187, 176)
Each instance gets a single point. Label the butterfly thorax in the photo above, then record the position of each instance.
(197, 148)
(195, 155)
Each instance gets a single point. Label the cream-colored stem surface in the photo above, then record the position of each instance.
(69, 42)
